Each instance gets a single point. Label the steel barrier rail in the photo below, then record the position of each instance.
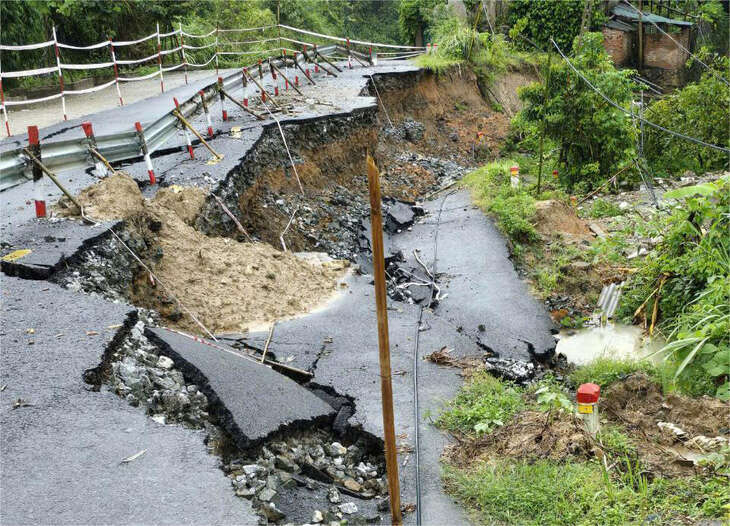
(73, 153)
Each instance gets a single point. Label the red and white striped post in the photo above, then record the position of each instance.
(220, 92)
(145, 152)
(261, 71)
(159, 59)
(182, 51)
(286, 70)
(185, 132)
(245, 103)
(296, 80)
(116, 72)
(207, 114)
(244, 82)
(89, 131)
(60, 73)
(34, 145)
(5, 111)
(276, 91)
(216, 49)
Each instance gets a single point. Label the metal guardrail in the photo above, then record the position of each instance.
(74, 153)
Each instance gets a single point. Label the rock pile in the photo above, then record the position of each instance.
(314, 461)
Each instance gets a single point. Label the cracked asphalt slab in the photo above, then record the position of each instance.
(61, 453)
(249, 399)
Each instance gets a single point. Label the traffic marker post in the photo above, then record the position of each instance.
(207, 114)
(116, 72)
(39, 191)
(145, 152)
(189, 126)
(185, 131)
(91, 140)
(220, 92)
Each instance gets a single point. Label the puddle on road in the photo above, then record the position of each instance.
(614, 340)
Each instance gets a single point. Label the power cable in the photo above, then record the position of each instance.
(714, 73)
(627, 112)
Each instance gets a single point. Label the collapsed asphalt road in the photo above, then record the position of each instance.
(483, 308)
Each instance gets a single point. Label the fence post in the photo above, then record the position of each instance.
(34, 145)
(207, 115)
(159, 58)
(349, 55)
(182, 52)
(89, 131)
(216, 51)
(5, 111)
(185, 131)
(116, 72)
(60, 73)
(145, 152)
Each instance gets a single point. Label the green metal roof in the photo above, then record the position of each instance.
(626, 12)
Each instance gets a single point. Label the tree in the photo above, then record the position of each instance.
(595, 139)
(414, 16)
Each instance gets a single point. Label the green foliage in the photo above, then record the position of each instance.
(700, 109)
(436, 63)
(483, 403)
(414, 17)
(605, 371)
(552, 398)
(595, 139)
(559, 19)
(514, 209)
(602, 208)
(546, 492)
(692, 264)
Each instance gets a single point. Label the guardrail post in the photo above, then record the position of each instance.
(34, 145)
(185, 131)
(145, 152)
(220, 92)
(216, 50)
(5, 111)
(159, 58)
(89, 131)
(116, 72)
(60, 73)
(207, 114)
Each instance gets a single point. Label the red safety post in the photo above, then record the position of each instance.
(5, 111)
(555, 174)
(296, 80)
(34, 145)
(145, 152)
(276, 91)
(116, 72)
(587, 398)
(306, 72)
(349, 55)
(261, 71)
(220, 92)
(207, 114)
(185, 131)
(245, 103)
(89, 132)
(263, 96)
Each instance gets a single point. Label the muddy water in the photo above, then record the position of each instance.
(614, 340)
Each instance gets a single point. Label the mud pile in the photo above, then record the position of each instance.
(229, 286)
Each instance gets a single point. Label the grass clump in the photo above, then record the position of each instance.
(547, 492)
(437, 63)
(513, 208)
(483, 403)
(602, 208)
(605, 371)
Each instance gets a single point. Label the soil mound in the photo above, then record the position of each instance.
(634, 405)
(229, 286)
(115, 197)
(555, 216)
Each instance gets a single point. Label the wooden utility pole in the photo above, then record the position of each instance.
(641, 35)
(386, 385)
(544, 124)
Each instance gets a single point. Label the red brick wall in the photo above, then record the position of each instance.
(618, 45)
(661, 52)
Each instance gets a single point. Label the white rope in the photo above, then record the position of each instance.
(298, 42)
(168, 51)
(6, 47)
(232, 43)
(163, 35)
(27, 72)
(32, 101)
(90, 90)
(260, 52)
(173, 68)
(381, 100)
(338, 39)
(281, 131)
(132, 42)
(138, 61)
(243, 30)
(191, 65)
(135, 79)
(199, 36)
(87, 66)
(186, 46)
(92, 46)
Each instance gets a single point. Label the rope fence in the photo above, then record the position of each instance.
(180, 55)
